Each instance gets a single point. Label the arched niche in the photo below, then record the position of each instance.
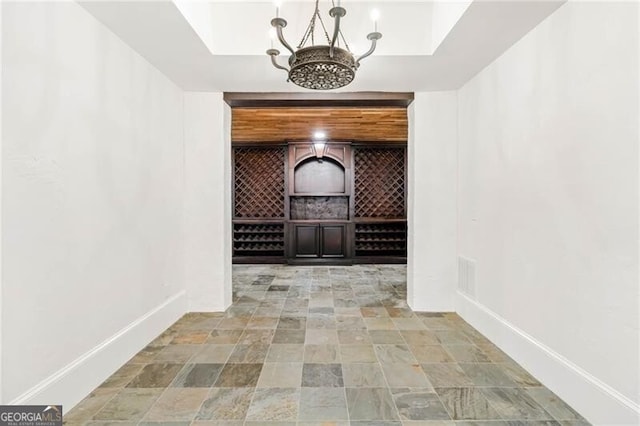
(319, 176)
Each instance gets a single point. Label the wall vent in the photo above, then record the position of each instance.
(467, 276)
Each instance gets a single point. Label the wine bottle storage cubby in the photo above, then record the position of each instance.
(258, 239)
(377, 239)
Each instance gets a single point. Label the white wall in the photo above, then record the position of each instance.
(1, 133)
(432, 145)
(92, 187)
(208, 202)
(548, 205)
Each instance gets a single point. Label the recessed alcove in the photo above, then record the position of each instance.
(319, 176)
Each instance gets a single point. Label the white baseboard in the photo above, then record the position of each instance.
(71, 384)
(595, 400)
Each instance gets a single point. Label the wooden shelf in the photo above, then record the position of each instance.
(381, 238)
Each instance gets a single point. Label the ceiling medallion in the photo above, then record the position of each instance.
(321, 66)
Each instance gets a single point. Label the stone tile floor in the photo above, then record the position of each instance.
(321, 345)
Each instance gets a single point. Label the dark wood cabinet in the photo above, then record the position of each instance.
(331, 203)
(317, 241)
(332, 241)
(306, 241)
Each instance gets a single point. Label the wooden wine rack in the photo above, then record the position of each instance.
(258, 239)
(381, 239)
(340, 203)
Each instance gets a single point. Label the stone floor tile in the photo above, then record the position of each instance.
(123, 376)
(386, 337)
(280, 375)
(89, 406)
(487, 375)
(226, 404)
(322, 375)
(234, 323)
(326, 322)
(289, 336)
(239, 375)
(321, 337)
(446, 374)
(249, 353)
(467, 404)
(155, 376)
(354, 337)
(197, 376)
(195, 337)
(371, 404)
(380, 324)
(176, 354)
(515, 404)
(177, 405)
(431, 354)
(212, 354)
(321, 353)
(129, 404)
(408, 324)
(519, 374)
(230, 337)
(420, 337)
(375, 312)
(285, 353)
(559, 409)
(322, 404)
(146, 355)
(451, 337)
(467, 353)
(419, 404)
(390, 354)
(363, 375)
(274, 404)
(357, 353)
(292, 323)
(256, 337)
(400, 375)
(346, 322)
(400, 312)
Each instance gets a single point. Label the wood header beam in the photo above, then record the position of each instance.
(320, 99)
(259, 125)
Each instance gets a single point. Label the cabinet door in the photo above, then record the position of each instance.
(306, 241)
(333, 244)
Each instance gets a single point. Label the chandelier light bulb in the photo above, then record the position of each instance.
(272, 35)
(375, 15)
(278, 4)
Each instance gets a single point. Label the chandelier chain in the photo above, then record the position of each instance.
(310, 32)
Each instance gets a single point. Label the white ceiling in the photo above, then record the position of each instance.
(219, 45)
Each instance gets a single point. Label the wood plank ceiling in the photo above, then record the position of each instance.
(255, 125)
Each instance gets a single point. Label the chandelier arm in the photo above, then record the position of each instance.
(337, 13)
(274, 53)
(279, 24)
(374, 37)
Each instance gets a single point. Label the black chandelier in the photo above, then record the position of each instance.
(320, 66)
